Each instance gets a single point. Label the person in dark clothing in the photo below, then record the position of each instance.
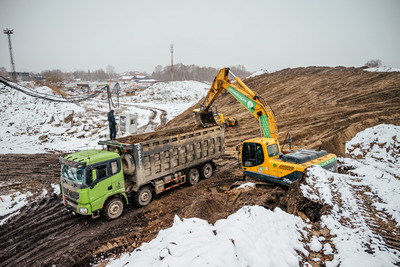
(112, 125)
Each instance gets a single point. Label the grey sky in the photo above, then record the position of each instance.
(136, 35)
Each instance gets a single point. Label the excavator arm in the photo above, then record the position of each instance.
(249, 99)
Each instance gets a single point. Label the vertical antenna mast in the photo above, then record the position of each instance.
(172, 62)
(9, 32)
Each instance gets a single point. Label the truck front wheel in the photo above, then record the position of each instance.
(193, 176)
(143, 196)
(113, 209)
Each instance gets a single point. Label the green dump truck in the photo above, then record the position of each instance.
(101, 182)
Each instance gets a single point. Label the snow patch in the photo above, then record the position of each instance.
(382, 69)
(257, 73)
(11, 204)
(246, 185)
(174, 92)
(253, 236)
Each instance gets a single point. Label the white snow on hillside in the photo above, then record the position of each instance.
(373, 162)
(382, 69)
(253, 236)
(173, 97)
(375, 157)
(34, 125)
(257, 73)
(174, 92)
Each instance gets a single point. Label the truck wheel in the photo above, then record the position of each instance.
(144, 196)
(206, 170)
(193, 176)
(113, 209)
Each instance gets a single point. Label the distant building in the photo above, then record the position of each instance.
(127, 78)
(23, 76)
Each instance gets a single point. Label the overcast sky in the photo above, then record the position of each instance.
(136, 35)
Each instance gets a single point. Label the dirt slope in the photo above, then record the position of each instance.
(318, 105)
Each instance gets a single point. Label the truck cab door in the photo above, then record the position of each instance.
(101, 185)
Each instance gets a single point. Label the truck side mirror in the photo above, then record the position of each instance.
(94, 175)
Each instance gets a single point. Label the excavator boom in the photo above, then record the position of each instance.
(249, 99)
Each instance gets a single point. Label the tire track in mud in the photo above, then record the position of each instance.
(44, 233)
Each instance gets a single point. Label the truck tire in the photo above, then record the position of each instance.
(143, 196)
(128, 164)
(113, 208)
(206, 170)
(193, 176)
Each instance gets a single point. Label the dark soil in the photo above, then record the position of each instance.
(320, 106)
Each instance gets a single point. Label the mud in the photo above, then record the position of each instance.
(45, 233)
(320, 106)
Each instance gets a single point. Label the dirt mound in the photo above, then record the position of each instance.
(132, 139)
(320, 106)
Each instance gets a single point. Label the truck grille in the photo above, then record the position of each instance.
(70, 193)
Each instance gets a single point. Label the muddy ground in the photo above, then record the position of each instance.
(320, 106)
(46, 234)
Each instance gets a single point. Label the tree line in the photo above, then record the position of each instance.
(183, 72)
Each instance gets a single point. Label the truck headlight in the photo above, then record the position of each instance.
(83, 210)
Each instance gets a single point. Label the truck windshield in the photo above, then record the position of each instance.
(76, 175)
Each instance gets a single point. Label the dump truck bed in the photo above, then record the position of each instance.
(161, 153)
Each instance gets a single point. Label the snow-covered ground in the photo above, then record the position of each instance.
(257, 73)
(383, 69)
(255, 236)
(249, 237)
(34, 125)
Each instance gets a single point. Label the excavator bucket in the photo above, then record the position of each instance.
(205, 119)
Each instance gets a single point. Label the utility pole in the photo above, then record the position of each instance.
(172, 62)
(13, 73)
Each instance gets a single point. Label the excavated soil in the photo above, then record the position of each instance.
(319, 106)
(158, 134)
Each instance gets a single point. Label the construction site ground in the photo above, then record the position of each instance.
(320, 106)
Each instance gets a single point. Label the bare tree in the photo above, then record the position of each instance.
(111, 71)
(53, 77)
(193, 72)
(3, 72)
(374, 63)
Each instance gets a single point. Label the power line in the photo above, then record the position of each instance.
(49, 97)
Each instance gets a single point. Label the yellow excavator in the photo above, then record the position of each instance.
(263, 157)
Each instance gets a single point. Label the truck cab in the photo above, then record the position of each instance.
(91, 180)
(262, 158)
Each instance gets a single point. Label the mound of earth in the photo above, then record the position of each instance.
(320, 106)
